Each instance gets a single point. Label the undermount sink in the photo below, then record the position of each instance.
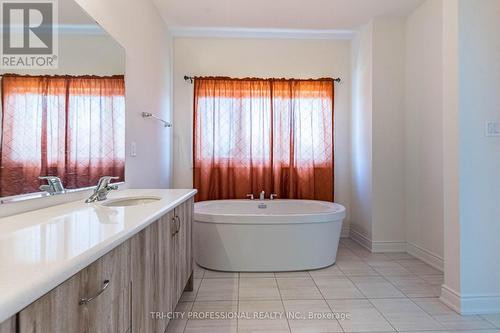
(135, 201)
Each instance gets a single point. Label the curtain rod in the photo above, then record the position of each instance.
(191, 79)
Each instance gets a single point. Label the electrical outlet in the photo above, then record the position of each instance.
(492, 128)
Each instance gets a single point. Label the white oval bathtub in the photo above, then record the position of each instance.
(266, 236)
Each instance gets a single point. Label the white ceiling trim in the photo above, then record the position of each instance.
(198, 32)
(81, 29)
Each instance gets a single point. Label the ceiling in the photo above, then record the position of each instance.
(280, 14)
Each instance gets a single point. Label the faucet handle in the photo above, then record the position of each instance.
(54, 184)
(105, 180)
(273, 196)
(250, 196)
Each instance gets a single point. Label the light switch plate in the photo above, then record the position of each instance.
(492, 128)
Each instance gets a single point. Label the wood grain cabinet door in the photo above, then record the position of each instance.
(182, 248)
(151, 276)
(97, 299)
(9, 325)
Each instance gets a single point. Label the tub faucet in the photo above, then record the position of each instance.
(262, 195)
(102, 189)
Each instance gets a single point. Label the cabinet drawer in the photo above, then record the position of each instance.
(97, 299)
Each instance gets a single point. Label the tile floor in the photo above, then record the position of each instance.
(391, 292)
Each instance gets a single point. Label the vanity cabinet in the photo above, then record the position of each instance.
(162, 267)
(129, 289)
(152, 271)
(8, 326)
(97, 299)
(181, 250)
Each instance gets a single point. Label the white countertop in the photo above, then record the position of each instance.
(41, 249)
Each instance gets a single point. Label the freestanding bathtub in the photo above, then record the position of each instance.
(266, 236)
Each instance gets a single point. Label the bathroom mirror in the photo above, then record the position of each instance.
(62, 103)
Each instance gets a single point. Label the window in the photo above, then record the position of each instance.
(255, 134)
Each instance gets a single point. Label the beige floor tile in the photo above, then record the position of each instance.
(314, 326)
(258, 288)
(270, 306)
(263, 316)
(455, 321)
(399, 255)
(303, 309)
(333, 287)
(418, 267)
(292, 274)
(353, 268)
(191, 295)
(310, 316)
(203, 307)
(263, 325)
(209, 274)
(404, 315)
(416, 287)
(362, 316)
(433, 306)
(333, 270)
(449, 318)
(256, 274)
(475, 331)
(198, 272)
(376, 287)
(298, 288)
(373, 257)
(178, 324)
(211, 326)
(493, 318)
(391, 268)
(218, 290)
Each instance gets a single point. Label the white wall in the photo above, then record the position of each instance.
(261, 58)
(138, 27)
(361, 134)
(423, 126)
(377, 201)
(479, 101)
(388, 134)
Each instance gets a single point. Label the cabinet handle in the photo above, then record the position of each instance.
(88, 300)
(179, 226)
(174, 227)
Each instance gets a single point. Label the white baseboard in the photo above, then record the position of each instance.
(426, 256)
(470, 304)
(388, 246)
(360, 238)
(376, 246)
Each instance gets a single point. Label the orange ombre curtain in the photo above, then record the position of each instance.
(65, 126)
(274, 135)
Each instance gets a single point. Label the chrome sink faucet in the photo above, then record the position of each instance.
(54, 185)
(262, 195)
(102, 189)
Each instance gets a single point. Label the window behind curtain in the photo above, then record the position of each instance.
(65, 126)
(256, 134)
